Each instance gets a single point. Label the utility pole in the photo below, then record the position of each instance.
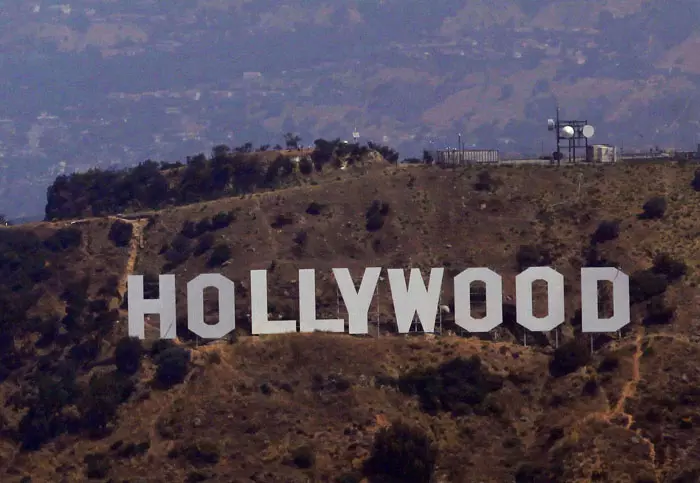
(557, 133)
(459, 146)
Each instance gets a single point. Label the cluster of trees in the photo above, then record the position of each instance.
(227, 172)
(49, 385)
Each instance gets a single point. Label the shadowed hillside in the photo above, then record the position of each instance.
(86, 402)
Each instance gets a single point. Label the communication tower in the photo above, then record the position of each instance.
(355, 135)
(575, 133)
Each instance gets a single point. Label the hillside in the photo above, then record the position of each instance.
(82, 401)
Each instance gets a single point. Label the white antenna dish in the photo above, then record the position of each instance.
(550, 124)
(567, 132)
(588, 131)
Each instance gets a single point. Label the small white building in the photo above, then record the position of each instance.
(601, 153)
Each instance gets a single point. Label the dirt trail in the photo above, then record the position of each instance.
(615, 413)
(135, 245)
(630, 390)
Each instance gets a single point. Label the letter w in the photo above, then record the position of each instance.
(416, 298)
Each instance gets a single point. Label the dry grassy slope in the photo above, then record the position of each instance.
(638, 425)
(438, 219)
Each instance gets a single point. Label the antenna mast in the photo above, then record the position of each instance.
(556, 130)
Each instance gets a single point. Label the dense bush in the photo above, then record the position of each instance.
(609, 363)
(173, 364)
(104, 394)
(456, 386)
(97, 193)
(53, 389)
(696, 180)
(227, 172)
(204, 243)
(658, 312)
(654, 208)
(374, 216)
(220, 255)
(179, 251)
(568, 358)
(304, 457)
(670, 268)
(222, 220)
(97, 466)
(306, 166)
(531, 473)
(120, 233)
(387, 153)
(282, 220)
(279, 169)
(606, 231)
(198, 453)
(403, 453)
(300, 238)
(486, 182)
(128, 355)
(645, 284)
(323, 152)
(314, 208)
(64, 239)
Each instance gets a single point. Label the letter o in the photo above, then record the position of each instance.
(494, 300)
(195, 306)
(555, 299)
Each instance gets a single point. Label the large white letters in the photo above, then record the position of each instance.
(463, 302)
(357, 302)
(307, 307)
(416, 298)
(590, 322)
(195, 306)
(163, 306)
(258, 308)
(555, 299)
(409, 300)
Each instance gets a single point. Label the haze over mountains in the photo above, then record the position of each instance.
(95, 83)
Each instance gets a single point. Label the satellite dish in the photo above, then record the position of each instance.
(588, 131)
(567, 132)
(550, 124)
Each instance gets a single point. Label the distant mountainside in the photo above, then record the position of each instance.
(98, 83)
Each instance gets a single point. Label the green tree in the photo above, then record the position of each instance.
(292, 140)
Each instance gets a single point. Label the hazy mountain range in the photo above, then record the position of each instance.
(100, 83)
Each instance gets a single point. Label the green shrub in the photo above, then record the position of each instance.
(404, 453)
(606, 231)
(173, 364)
(454, 386)
(568, 358)
(120, 233)
(304, 457)
(645, 284)
(220, 255)
(654, 208)
(204, 243)
(128, 355)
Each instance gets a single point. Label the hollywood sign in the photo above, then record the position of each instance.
(409, 300)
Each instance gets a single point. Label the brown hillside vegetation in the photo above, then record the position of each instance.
(83, 402)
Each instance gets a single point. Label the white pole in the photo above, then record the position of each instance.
(378, 333)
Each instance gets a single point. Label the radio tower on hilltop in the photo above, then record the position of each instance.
(355, 135)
